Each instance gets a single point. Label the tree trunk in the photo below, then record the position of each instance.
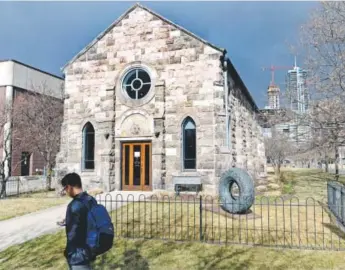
(48, 177)
(3, 189)
(326, 164)
(336, 163)
(48, 173)
(3, 186)
(277, 171)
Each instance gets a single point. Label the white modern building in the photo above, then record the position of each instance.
(296, 89)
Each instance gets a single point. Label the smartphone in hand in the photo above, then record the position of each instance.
(61, 223)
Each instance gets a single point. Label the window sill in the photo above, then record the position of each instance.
(87, 170)
(186, 173)
(225, 150)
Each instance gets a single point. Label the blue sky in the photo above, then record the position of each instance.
(256, 34)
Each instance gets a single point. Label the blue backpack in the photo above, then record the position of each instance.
(100, 229)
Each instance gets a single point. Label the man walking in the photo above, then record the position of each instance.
(77, 252)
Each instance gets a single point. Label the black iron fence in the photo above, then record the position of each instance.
(278, 222)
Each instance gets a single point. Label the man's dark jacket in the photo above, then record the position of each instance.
(77, 252)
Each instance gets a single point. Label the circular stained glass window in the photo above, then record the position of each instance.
(136, 83)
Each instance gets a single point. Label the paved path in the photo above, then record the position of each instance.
(21, 229)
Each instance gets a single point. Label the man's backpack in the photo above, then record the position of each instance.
(100, 229)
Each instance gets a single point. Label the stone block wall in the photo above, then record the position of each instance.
(24, 184)
(183, 69)
(245, 149)
(185, 72)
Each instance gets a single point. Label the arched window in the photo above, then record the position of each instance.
(88, 157)
(189, 144)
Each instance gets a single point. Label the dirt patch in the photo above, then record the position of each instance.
(218, 210)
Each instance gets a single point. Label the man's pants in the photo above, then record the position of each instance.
(80, 267)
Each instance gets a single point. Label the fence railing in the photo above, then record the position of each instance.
(12, 187)
(20, 185)
(275, 222)
(336, 200)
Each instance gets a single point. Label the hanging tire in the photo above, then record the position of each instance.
(241, 203)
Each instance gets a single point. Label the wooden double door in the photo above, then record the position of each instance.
(136, 166)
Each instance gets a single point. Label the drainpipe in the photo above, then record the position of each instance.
(226, 94)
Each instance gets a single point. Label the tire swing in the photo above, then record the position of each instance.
(245, 199)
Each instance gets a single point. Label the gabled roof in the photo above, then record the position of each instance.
(101, 35)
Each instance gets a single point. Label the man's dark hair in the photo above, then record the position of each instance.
(72, 179)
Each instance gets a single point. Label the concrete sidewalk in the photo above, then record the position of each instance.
(21, 229)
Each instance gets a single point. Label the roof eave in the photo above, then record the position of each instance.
(243, 86)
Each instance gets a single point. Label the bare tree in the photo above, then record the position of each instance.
(278, 148)
(42, 114)
(327, 122)
(5, 147)
(322, 41)
(7, 116)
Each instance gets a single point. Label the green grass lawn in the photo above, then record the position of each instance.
(304, 183)
(278, 223)
(17, 206)
(46, 253)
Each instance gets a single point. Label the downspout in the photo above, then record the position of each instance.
(226, 95)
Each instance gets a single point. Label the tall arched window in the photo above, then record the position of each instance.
(88, 158)
(189, 144)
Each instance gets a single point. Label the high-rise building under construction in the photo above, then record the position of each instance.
(296, 89)
(273, 93)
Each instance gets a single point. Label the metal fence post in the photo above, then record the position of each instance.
(342, 205)
(328, 195)
(200, 225)
(18, 180)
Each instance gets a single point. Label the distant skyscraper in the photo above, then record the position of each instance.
(296, 88)
(273, 93)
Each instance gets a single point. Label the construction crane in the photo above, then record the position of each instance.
(273, 68)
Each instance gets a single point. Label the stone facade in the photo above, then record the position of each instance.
(188, 80)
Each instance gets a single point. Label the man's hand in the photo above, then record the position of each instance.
(61, 223)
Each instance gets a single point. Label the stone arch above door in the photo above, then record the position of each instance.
(135, 124)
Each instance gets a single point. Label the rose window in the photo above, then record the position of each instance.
(136, 83)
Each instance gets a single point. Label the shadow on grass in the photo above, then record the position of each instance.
(46, 253)
(213, 262)
(334, 229)
(131, 260)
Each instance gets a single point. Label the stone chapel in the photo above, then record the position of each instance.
(149, 105)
